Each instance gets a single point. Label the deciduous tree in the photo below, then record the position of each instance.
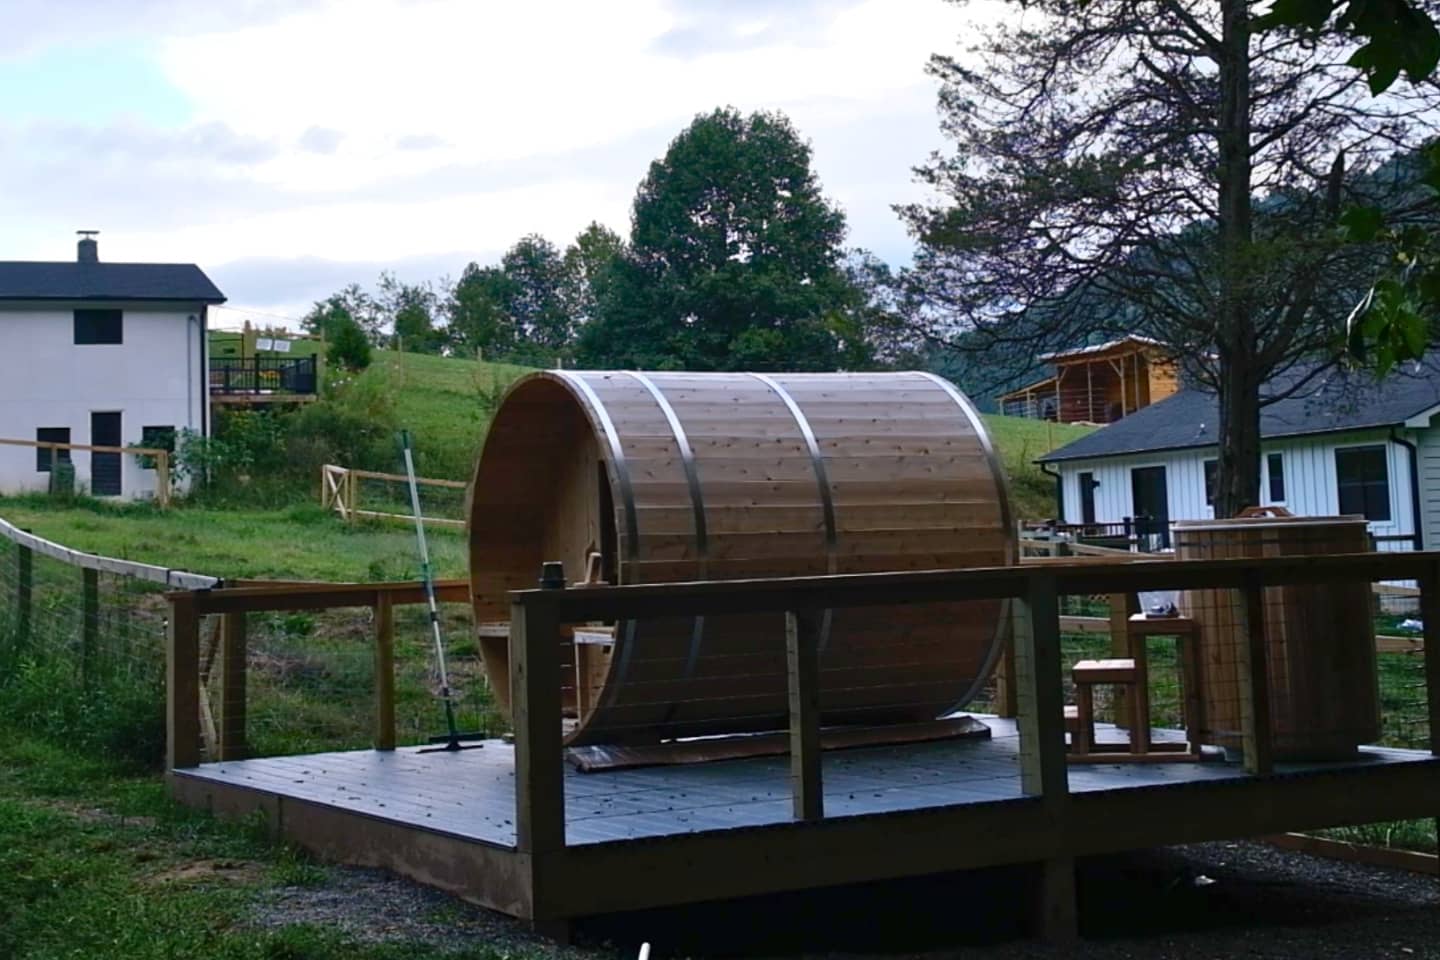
(1158, 167)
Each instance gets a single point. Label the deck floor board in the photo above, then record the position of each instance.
(471, 794)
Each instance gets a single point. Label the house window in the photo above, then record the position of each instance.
(1275, 464)
(1363, 481)
(1087, 497)
(156, 438)
(1212, 472)
(42, 454)
(99, 326)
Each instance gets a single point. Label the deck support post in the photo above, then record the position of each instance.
(234, 653)
(182, 684)
(384, 733)
(1043, 767)
(802, 658)
(539, 749)
(1254, 676)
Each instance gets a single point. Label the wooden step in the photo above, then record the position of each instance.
(1118, 670)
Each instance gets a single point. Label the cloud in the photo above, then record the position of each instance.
(487, 122)
(320, 140)
(420, 141)
(33, 24)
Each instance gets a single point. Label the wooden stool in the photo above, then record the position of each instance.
(1124, 672)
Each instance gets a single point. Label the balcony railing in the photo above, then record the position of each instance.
(263, 376)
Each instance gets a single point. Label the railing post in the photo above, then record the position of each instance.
(802, 659)
(384, 672)
(89, 624)
(1253, 671)
(1041, 723)
(233, 671)
(24, 591)
(535, 710)
(1430, 617)
(182, 684)
(1038, 688)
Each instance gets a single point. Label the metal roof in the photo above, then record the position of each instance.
(1337, 401)
(67, 280)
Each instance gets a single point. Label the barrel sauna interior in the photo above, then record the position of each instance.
(685, 476)
(1324, 695)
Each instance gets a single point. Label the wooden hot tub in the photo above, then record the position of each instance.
(694, 476)
(1324, 696)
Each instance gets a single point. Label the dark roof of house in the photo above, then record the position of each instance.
(65, 280)
(1334, 402)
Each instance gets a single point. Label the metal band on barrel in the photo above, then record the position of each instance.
(627, 498)
(697, 504)
(822, 479)
(1002, 490)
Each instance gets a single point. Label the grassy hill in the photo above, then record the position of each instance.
(447, 404)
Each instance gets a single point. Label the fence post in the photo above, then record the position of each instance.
(233, 672)
(162, 479)
(89, 624)
(182, 684)
(24, 591)
(802, 658)
(1253, 671)
(384, 672)
(1043, 771)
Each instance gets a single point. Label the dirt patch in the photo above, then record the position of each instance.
(372, 906)
(97, 815)
(209, 872)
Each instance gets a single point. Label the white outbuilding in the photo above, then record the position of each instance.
(1338, 444)
(102, 354)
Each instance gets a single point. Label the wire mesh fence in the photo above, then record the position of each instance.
(82, 655)
(311, 680)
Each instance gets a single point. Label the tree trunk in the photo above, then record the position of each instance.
(1238, 480)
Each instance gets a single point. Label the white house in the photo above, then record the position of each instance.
(1343, 445)
(104, 354)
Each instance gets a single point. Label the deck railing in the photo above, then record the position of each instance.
(263, 376)
(1035, 592)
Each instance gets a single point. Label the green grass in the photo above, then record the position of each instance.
(301, 542)
(445, 402)
(97, 864)
(1019, 441)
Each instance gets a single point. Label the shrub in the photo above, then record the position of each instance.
(349, 348)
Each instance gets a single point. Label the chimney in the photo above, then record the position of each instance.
(87, 250)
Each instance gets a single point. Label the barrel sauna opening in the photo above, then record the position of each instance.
(1320, 639)
(679, 476)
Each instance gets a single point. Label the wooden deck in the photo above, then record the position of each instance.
(465, 802)
(514, 829)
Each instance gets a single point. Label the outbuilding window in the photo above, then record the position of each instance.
(1275, 465)
(99, 327)
(1362, 478)
(1212, 471)
(43, 459)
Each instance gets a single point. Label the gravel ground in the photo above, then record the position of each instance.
(1215, 900)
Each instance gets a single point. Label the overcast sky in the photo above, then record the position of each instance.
(292, 147)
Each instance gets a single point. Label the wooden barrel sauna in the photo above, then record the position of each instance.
(703, 476)
(1324, 694)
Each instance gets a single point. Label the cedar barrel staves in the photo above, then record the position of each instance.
(1323, 683)
(712, 476)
